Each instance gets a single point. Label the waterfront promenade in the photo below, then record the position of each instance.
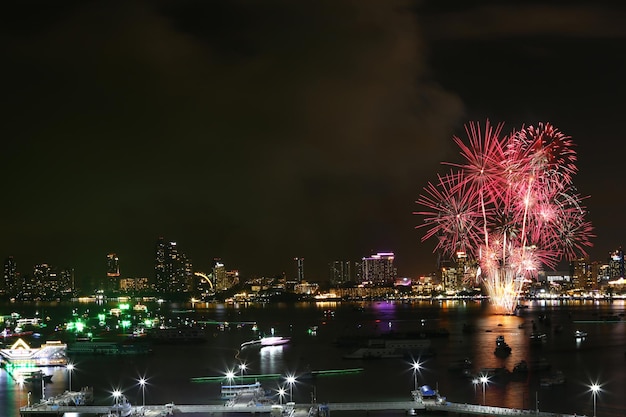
(302, 409)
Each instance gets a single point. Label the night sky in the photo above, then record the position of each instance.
(258, 131)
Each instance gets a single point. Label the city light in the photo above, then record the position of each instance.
(142, 383)
(242, 368)
(484, 380)
(291, 379)
(70, 368)
(511, 207)
(281, 394)
(594, 388)
(416, 368)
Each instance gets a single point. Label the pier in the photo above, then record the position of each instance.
(301, 409)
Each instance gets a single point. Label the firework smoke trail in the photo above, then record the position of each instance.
(511, 206)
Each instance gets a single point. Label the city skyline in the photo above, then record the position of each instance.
(261, 132)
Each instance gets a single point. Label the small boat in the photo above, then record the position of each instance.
(122, 407)
(502, 348)
(538, 338)
(579, 334)
(266, 341)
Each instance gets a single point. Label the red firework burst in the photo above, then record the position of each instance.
(518, 190)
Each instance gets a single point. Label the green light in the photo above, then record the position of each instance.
(124, 306)
(125, 324)
(79, 326)
(101, 316)
(148, 322)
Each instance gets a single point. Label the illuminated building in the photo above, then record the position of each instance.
(340, 273)
(173, 271)
(616, 264)
(219, 276)
(299, 269)
(113, 271)
(134, 284)
(51, 353)
(378, 270)
(9, 281)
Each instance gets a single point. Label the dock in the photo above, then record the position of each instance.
(301, 409)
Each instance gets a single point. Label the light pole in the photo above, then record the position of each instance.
(117, 394)
(291, 380)
(416, 367)
(484, 380)
(594, 391)
(142, 382)
(242, 367)
(230, 377)
(475, 382)
(70, 368)
(281, 394)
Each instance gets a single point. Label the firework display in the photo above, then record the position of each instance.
(510, 206)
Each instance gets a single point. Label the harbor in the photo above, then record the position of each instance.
(310, 370)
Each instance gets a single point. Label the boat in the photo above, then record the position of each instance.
(177, 335)
(92, 347)
(267, 341)
(373, 353)
(538, 338)
(122, 407)
(502, 348)
(426, 395)
(579, 334)
(38, 377)
(231, 391)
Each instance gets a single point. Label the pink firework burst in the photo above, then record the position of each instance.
(511, 206)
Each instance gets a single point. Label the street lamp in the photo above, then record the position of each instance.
(142, 382)
(595, 388)
(475, 382)
(484, 380)
(281, 394)
(230, 377)
(117, 394)
(416, 367)
(242, 367)
(70, 368)
(291, 380)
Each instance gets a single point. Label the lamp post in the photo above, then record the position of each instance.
(291, 380)
(281, 394)
(242, 367)
(416, 367)
(594, 391)
(484, 380)
(117, 394)
(70, 368)
(475, 382)
(142, 382)
(230, 377)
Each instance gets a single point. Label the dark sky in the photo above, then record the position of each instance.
(258, 131)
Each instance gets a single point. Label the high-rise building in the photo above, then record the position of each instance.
(378, 270)
(340, 273)
(173, 271)
(299, 269)
(219, 276)
(9, 281)
(113, 272)
(616, 264)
